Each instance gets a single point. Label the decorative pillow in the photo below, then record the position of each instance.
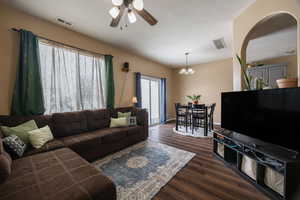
(21, 130)
(118, 122)
(131, 121)
(126, 114)
(14, 145)
(41, 136)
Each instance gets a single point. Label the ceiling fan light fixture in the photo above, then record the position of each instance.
(117, 2)
(114, 12)
(138, 4)
(131, 17)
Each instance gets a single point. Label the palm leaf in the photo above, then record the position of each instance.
(246, 77)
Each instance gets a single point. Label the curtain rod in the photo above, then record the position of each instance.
(61, 43)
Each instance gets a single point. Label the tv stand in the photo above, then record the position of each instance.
(235, 149)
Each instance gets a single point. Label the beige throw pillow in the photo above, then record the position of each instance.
(118, 122)
(21, 130)
(41, 136)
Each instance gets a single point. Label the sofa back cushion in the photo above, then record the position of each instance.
(69, 123)
(5, 163)
(98, 119)
(114, 112)
(40, 120)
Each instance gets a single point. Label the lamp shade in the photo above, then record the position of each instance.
(114, 12)
(117, 2)
(138, 4)
(131, 17)
(134, 100)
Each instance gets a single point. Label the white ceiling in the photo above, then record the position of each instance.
(273, 45)
(184, 25)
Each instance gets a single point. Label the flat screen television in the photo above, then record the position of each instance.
(272, 116)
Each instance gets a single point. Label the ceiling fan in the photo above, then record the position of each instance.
(132, 7)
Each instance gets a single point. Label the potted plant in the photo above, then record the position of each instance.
(247, 78)
(195, 98)
(259, 83)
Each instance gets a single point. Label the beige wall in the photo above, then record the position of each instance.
(291, 61)
(210, 80)
(250, 17)
(11, 18)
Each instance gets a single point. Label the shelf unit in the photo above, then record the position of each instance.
(266, 156)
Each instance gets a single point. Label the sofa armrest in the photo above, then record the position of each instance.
(142, 120)
(141, 116)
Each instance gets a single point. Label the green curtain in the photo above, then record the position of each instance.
(110, 86)
(28, 94)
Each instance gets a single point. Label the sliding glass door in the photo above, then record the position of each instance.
(151, 98)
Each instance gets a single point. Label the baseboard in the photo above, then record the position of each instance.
(171, 120)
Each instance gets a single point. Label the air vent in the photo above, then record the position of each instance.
(220, 43)
(64, 22)
(291, 52)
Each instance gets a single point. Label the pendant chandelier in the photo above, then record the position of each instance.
(187, 70)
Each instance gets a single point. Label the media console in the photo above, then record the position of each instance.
(272, 169)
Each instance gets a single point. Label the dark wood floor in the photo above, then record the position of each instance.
(204, 177)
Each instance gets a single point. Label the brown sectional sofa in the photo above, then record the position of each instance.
(61, 169)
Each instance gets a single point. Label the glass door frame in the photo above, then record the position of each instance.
(150, 78)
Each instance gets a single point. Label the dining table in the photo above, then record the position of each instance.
(191, 109)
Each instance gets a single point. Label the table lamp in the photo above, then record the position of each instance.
(134, 101)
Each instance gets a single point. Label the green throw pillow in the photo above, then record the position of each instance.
(126, 114)
(21, 130)
(118, 122)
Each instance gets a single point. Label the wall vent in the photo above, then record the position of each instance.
(220, 43)
(62, 21)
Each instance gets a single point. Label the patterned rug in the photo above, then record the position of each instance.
(198, 133)
(140, 171)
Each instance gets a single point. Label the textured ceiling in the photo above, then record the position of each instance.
(273, 37)
(273, 45)
(183, 26)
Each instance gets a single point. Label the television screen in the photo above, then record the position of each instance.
(272, 116)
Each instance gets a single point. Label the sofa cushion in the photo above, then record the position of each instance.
(96, 144)
(51, 145)
(118, 122)
(5, 167)
(5, 164)
(40, 137)
(57, 175)
(114, 112)
(70, 123)
(21, 130)
(40, 120)
(98, 119)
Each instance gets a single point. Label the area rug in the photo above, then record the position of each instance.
(198, 133)
(140, 171)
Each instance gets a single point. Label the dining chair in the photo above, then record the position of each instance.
(182, 116)
(199, 117)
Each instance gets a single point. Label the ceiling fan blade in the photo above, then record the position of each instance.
(147, 16)
(115, 22)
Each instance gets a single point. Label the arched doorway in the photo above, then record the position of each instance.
(272, 42)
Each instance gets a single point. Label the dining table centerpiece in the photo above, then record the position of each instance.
(194, 98)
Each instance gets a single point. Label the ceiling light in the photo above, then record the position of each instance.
(138, 4)
(114, 12)
(117, 2)
(187, 70)
(131, 16)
